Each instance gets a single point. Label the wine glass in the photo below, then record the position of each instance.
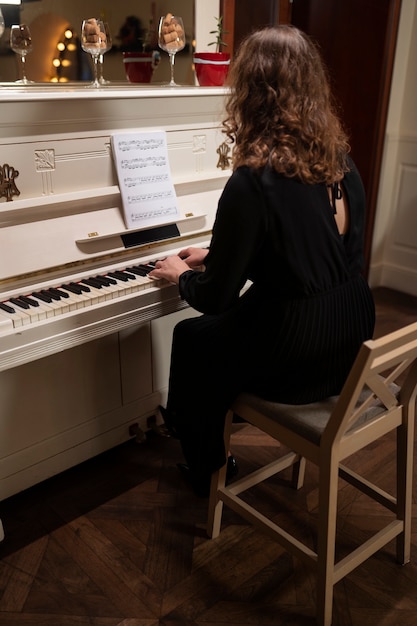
(21, 43)
(93, 41)
(109, 43)
(171, 38)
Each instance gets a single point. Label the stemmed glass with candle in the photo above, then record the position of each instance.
(94, 41)
(171, 38)
(21, 44)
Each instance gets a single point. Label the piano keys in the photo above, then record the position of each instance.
(74, 295)
(79, 316)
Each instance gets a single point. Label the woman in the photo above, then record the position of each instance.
(291, 221)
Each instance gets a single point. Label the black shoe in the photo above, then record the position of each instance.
(232, 468)
(201, 484)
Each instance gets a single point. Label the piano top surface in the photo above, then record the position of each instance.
(10, 92)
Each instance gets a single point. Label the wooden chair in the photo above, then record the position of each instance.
(373, 402)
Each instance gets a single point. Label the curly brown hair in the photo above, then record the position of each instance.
(280, 110)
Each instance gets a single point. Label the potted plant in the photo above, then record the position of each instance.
(212, 67)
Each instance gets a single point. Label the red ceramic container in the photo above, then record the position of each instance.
(140, 66)
(211, 68)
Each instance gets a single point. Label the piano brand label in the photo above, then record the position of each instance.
(95, 234)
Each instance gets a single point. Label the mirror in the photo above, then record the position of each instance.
(129, 21)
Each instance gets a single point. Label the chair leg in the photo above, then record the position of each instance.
(328, 491)
(298, 473)
(405, 455)
(218, 480)
(215, 507)
(1, 531)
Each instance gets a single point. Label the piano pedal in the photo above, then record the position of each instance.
(137, 433)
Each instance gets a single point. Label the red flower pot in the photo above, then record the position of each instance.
(211, 68)
(140, 66)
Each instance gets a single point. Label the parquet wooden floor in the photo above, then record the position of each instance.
(120, 541)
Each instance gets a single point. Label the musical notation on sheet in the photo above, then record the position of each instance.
(143, 170)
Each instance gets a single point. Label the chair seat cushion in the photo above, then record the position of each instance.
(309, 420)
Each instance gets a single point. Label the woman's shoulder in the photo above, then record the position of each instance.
(352, 177)
(246, 174)
(244, 179)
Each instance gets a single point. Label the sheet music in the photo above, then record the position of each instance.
(147, 191)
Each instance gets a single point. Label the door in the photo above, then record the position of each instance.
(357, 39)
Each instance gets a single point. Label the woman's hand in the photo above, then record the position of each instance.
(170, 268)
(194, 257)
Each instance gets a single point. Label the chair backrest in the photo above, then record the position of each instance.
(382, 381)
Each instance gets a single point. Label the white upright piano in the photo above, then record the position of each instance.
(78, 374)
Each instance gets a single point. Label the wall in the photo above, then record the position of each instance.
(394, 250)
(205, 13)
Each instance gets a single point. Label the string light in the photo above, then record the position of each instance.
(65, 47)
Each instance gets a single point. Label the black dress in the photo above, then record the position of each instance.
(294, 334)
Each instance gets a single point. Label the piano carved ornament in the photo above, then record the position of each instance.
(80, 372)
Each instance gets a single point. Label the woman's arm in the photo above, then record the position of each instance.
(238, 233)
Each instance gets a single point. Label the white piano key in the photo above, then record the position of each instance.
(138, 283)
(6, 323)
(60, 306)
(76, 301)
(19, 317)
(40, 311)
(116, 291)
(98, 294)
(52, 308)
(126, 286)
(108, 291)
(49, 311)
(30, 312)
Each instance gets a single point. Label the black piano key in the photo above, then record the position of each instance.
(92, 282)
(118, 276)
(58, 292)
(105, 280)
(73, 288)
(7, 308)
(29, 301)
(146, 268)
(19, 303)
(127, 274)
(42, 296)
(50, 294)
(136, 270)
(76, 288)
